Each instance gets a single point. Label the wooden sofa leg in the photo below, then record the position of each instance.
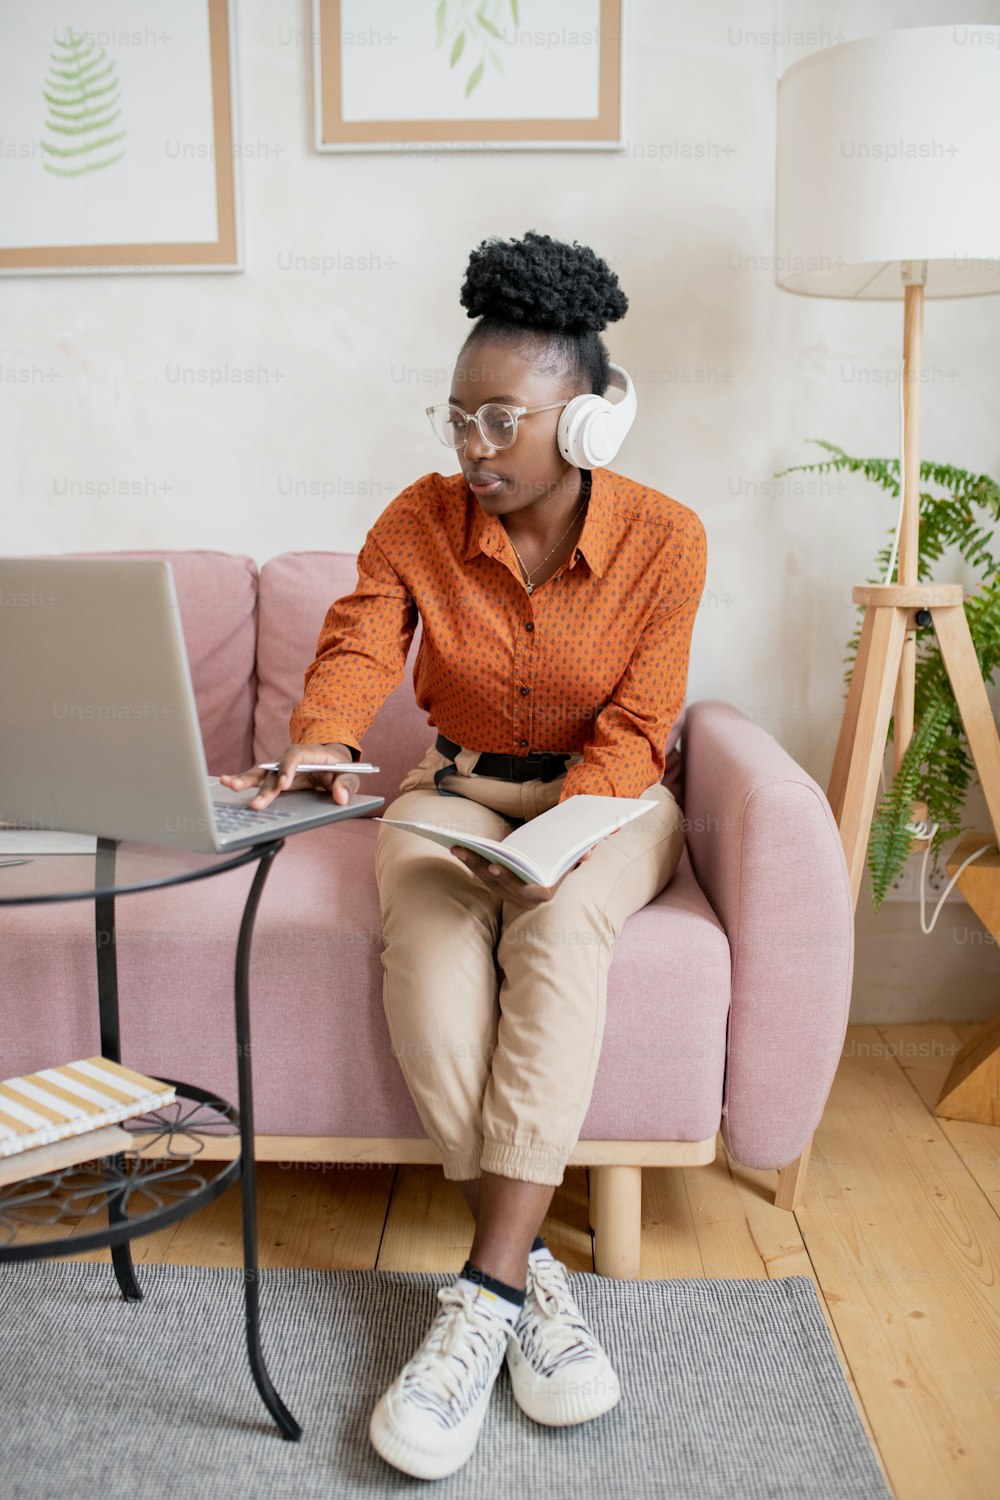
(616, 1219)
(792, 1180)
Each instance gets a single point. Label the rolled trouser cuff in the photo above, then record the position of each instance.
(461, 1166)
(541, 1164)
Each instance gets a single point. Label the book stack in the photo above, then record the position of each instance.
(61, 1116)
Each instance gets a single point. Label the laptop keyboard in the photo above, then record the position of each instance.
(231, 820)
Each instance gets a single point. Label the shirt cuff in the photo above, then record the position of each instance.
(622, 781)
(303, 730)
(586, 779)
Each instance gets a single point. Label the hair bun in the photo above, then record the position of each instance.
(539, 282)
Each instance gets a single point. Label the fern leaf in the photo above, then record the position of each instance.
(889, 843)
(81, 106)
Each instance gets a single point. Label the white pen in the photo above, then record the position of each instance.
(339, 767)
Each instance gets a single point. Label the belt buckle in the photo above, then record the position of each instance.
(551, 767)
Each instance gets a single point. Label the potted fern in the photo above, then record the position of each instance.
(936, 768)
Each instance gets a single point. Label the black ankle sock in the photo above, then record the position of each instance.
(538, 1245)
(499, 1288)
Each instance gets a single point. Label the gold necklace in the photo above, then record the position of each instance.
(527, 576)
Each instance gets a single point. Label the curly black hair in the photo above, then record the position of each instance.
(559, 295)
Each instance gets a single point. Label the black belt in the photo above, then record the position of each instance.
(546, 767)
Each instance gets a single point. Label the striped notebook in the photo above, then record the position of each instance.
(58, 1102)
(111, 1140)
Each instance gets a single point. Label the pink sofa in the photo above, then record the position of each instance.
(728, 995)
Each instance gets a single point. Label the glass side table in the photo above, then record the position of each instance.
(162, 1181)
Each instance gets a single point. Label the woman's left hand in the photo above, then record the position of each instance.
(511, 887)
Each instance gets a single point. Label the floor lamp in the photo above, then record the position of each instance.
(887, 151)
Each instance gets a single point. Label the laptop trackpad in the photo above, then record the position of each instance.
(297, 804)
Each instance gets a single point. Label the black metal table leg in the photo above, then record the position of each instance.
(107, 994)
(290, 1429)
(107, 989)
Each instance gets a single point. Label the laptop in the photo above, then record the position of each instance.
(99, 732)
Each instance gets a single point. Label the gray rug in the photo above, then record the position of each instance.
(731, 1390)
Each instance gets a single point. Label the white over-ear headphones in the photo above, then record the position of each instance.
(592, 428)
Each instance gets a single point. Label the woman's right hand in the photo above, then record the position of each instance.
(285, 778)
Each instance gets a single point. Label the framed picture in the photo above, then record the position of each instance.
(400, 75)
(117, 125)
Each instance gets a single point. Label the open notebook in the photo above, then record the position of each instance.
(544, 847)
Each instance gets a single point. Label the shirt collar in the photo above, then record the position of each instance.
(484, 533)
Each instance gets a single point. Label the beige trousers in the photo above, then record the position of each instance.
(496, 1014)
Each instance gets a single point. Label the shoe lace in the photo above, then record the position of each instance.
(443, 1373)
(559, 1326)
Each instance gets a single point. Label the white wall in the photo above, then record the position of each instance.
(733, 376)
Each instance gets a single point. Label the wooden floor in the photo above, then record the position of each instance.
(899, 1230)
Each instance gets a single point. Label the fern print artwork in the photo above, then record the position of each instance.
(458, 74)
(471, 31)
(83, 100)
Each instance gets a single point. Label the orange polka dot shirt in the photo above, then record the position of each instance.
(594, 660)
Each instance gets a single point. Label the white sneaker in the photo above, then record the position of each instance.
(559, 1372)
(428, 1422)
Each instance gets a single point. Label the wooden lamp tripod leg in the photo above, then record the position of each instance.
(879, 673)
(962, 666)
(848, 724)
(854, 780)
(972, 1089)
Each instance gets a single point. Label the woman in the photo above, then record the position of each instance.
(557, 604)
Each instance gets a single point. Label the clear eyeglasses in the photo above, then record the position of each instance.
(497, 422)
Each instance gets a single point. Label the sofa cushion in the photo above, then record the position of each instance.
(217, 595)
(322, 1055)
(296, 590)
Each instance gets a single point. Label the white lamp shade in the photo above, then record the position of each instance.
(889, 151)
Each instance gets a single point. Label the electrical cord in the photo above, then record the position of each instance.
(926, 830)
(923, 829)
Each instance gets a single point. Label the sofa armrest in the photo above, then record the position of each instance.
(767, 852)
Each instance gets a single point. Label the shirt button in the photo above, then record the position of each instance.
(530, 625)
(524, 692)
(524, 742)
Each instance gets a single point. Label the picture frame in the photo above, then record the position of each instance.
(415, 75)
(118, 130)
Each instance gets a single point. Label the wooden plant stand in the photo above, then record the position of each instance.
(972, 1089)
(890, 615)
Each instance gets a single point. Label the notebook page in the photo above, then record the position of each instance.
(556, 838)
